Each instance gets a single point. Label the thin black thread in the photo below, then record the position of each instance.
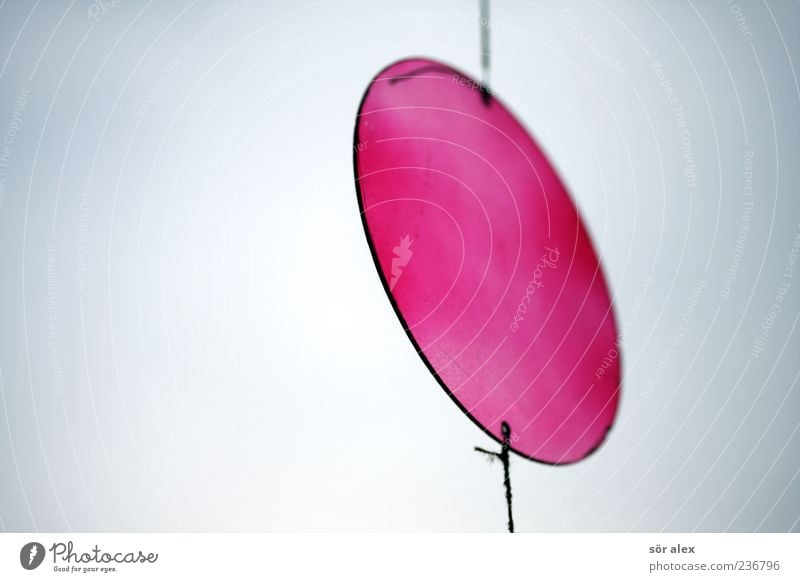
(485, 55)
(503, 455)
(484, 23)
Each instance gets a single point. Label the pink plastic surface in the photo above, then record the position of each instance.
(486, 261)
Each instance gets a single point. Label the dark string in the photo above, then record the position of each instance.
(485, 56)
(504, 458)
(484, 23)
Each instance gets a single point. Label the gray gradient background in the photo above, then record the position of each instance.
(192, 332)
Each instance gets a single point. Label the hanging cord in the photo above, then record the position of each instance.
(485, 54)
(504, 458)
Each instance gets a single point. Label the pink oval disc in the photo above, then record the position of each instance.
(486, 261)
